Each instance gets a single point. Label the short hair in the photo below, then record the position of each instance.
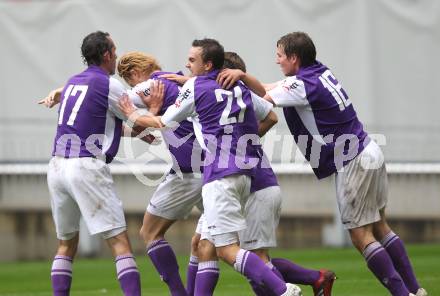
(136, 60)
(299, 44)
(234, 61)
(94, 46)
(212, 51)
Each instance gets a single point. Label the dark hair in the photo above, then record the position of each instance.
(94, 46)
(234, 61)
(212, 51)
(299, 44)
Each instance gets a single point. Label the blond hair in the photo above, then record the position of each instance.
(136, 60)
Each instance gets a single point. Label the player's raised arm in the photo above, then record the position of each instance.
(184, 106)
(52, 98)
(264, 113)
(180, 79)
(228, 77)
(288, 93)
(134, 118)
(270, 86)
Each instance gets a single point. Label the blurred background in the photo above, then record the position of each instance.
(385, 53)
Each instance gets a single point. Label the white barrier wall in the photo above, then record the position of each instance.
(385, 52)
(413, 189)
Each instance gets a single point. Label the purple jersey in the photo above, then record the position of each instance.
(185, 151)
(321, 118)
(224, 123)
(264, 175)
(89, 122)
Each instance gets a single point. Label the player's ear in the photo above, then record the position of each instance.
(106, 56)
(208, 66)
(294, 59)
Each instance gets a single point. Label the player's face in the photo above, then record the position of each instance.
(195, 62)
(136, 77)
(288, 65)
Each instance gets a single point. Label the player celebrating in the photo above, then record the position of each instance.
(262, 211)
(176, 195)
(228, 162)
(80, 183)
(318, 110)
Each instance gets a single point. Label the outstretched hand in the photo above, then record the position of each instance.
(154, 100)
(180, 79)
(126, 105)
(227, 77)
(52, 98)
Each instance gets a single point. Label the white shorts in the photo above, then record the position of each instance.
(223, 202)
(84, 187)
(262, 212)
(175, 197)
(362, 188)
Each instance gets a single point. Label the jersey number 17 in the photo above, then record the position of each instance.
(71, 91)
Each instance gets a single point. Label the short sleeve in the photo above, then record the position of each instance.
(116, 90)
(261, 106)
(184, 105)
(289, 92)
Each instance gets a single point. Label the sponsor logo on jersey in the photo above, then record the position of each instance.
(289, 86)
(147, 92)
(182, 97)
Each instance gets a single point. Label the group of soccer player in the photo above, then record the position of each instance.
(211, 123)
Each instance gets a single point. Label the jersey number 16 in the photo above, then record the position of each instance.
(327, 79)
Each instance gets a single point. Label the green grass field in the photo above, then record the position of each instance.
(97, 277)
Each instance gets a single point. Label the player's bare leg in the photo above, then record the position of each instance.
(208, 271)
(126, 268)
(378, 260)
(160, 252)
(61, 274)
(396, 249)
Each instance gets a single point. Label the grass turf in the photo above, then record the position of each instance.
(97, 276)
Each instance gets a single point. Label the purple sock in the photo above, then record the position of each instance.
(274, 270)
(61, 275)
(128, 275)
(379, 262)
(261, 290)
(191, 273)
(395, 248)
(207, 278)
(295, 274)
(251, 266)
(165, 261)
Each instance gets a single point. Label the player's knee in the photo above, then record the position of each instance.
(380, 230)
(195, 244)
(206, 251)
(361, 237)
(68, 247)
(149, 234)
(119, 244)
(263, 254)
